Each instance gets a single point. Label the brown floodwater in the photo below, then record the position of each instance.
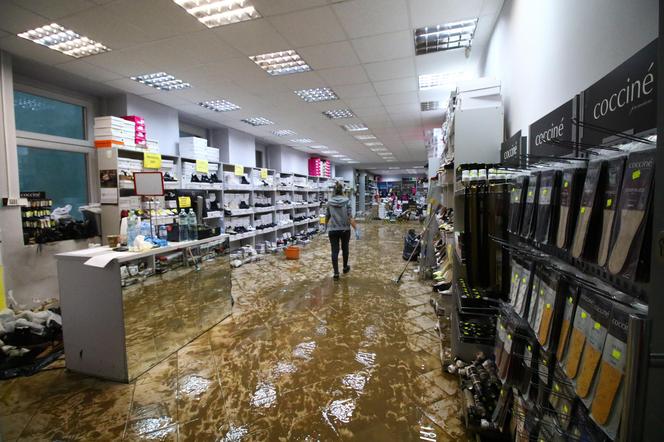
(301, 358)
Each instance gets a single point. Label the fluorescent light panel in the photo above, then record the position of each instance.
(378, 149)
(327, 152)
(373, 143)
(338, 156)
(318, 146)
(64, 40)
(317, 94)
(219, 105)
(429, 106)
(283, 132)
(302, 140)
(213, 13)
(355, 127)
(336, 114)
(257, 121)
(161, 81)
(281, 63)
(444, 37)
(365, 137)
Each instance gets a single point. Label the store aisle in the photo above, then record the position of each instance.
(301, 358)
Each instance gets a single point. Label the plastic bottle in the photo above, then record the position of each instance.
(193, 225)
(163, 232)
(183, 226)
(132, 229)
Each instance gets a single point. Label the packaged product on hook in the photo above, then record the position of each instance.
(571, 294)
(530, 209)
(535, 294)
(570, 195)
(530, 355)
(584, 236)
(580, 327)
(607, 392)
(634, 206)
(600, 318)
(547, 206)
(548, 324)
(517, 202)
(609, 201)
(562, 398)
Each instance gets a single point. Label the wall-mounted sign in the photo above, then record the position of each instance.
(625, 100)
(512, 150)
(554, 133)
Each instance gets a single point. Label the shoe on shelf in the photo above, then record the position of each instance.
(244, 180)
(346, 269)
(195, 179)
(244, 205)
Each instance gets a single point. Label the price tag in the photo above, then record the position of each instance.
(566, 185)
(570, 300)
(584, 315)
(545, 191)
(616, 354)
(597, 326)
(548, 306)
(263, 174)
(151, 160)
(184, 202)
(202, 166)
(239, 170)
(636, 174)
(583, 210)
(565, 409)
(609, 201)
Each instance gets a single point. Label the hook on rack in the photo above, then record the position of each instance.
(608, 131)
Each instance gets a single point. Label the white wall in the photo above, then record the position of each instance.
(294, 161)
(241, 148)
(161, 122)
(546, 51)
(346, 172)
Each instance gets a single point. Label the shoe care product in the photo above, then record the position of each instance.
(582, 322)
(571, 299)
(547, 326)
(600, 318)
(530, 210)
(629, 230)
(547, 206)
(570, 196)
(517, 202)
(584, 236)
(183, 228)
(609, 202)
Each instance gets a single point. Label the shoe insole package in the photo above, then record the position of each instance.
(600, 318)
(536, 292)
(530, 209)
(550, 306)
(547, 206)
(501, 337)
(629, 230)
(562, 398)
(545, 373)
(607, 392)
(577, 339)
(530, 355)
(613, 180)
(517, 202)
(570, 292)
(570, 195)
(584, 240)
(523, 292)
(515, 281)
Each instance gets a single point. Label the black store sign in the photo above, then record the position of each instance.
(513, 149)
(553, 128)
(625, 100)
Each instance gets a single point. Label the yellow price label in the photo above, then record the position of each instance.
(566, 185)
(184, 202)
(556, 387)
(530, 348)
(523, 280)
(239, 170)
(570, 300)
(151, 160)
(636, 174)
(565, 409)
(545, 191)
(583, 210)
(584, 315)
(616, 354)
(263, 174)
(202, 166)
(609, 201)
(509, 336)
(530, 193)
(548, 306)
(597, 326)
(541, 292)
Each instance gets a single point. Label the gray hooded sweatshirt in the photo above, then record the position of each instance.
(338, 213)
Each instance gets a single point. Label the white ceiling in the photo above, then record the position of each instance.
(362, 49)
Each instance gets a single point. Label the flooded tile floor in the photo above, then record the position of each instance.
(302, 358)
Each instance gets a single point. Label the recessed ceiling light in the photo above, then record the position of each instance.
(352, 162)
(302, 140)
(317, 94)
(384, 154)
(257, 121)
(453, 35)
(429, 106)
(391, 160)
(281, 63)
(283, 132)
(378, 149)
(318, 146)
(394, 168)
(449, 79)
(338, 156)
(336, 114)
(365, 137)
(373, 143)
(328, 151)
(213, 13)
(355, 127)
(161, 81)
(219, 105)
(64, 40)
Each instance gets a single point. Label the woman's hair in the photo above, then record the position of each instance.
(338, 189)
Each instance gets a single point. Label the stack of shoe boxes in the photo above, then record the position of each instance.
(140, 134)
(113, 132)
(195, 148)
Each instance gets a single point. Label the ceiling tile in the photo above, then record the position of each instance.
(395, 86)
(361, 18)
(436, 12)
(387, 70)
(401, 98)
(125, 63)
(403, 108)
(27, 49)
(355, 90)
(90, 71)
(309, 27)
(332, 55)
(274, 7)
(131, 86)
(384, 47)
(105, 27)
(55, 9)
(343, 76)
(302, 80)
(15, 19)
(253, 37)
(370, 111)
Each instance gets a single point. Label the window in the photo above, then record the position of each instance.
(61, 175)
(35, 113)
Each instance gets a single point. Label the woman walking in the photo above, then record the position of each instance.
(339, 219)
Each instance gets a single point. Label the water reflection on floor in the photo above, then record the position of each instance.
(302, 358)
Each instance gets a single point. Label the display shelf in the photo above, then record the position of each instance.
(238, 187)
(264, 209)
(239, 212)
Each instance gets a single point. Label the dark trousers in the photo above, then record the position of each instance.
(335, 237)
